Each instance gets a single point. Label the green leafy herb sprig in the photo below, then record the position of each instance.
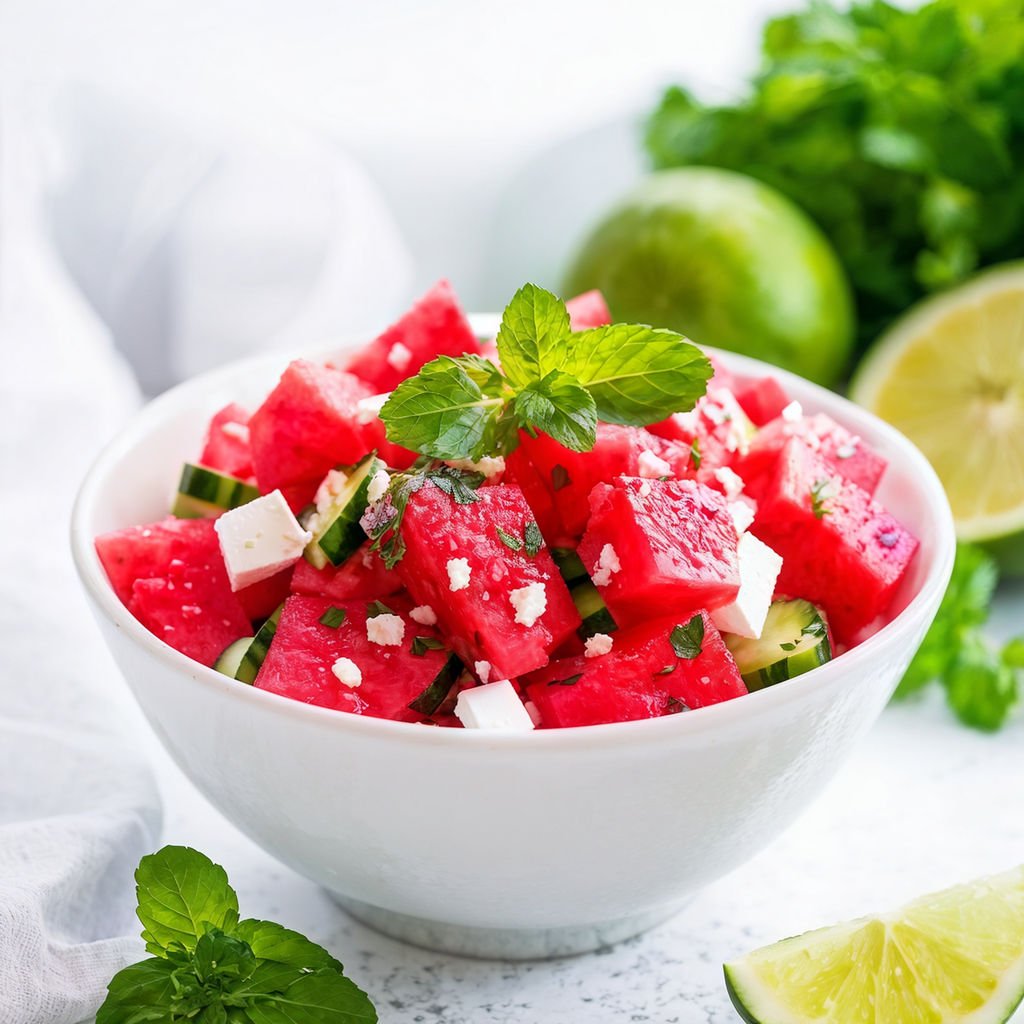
(209, 967)
(982, 684)
(551, 379)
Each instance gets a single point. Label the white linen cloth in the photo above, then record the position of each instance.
(78, 806)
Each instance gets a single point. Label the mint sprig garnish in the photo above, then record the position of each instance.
(207, 965)
(551, 379)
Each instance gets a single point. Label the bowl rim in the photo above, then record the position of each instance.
(698, 722)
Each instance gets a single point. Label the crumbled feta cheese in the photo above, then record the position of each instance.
(379, 484)
(483, 670)
(645, 489)
(489, 465)
(793, 412)
(721, 407)
(399, 357)
(653, 466)
(424, 615)
(239, 431)
(330, 487)
(493, 706)
(530, 603)
(458, 573)
(759, 569)
(368, 409)
(848, 450)
(385, 630)
(259, 539)
(730, 481)
(598, 644)
(742, 515)
(347, 672)
(607, 565)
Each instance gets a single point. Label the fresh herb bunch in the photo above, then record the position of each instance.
(900, 132)
(209, 967)
(982, 685)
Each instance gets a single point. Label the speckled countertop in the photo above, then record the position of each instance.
(924, 803)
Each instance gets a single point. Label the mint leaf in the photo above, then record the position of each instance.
(271, 941)
(223, 957)
(139, 994)
(637, 375)
(422, 644)
(181, 893)
(687, 641)
(449, 410)
(323, 997)
(559, 406)
(534, 538)
(533, 336)
(333, 617)
(508, 539)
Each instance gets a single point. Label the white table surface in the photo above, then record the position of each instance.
(923, 803)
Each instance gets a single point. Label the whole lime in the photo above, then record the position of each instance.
(727, 261)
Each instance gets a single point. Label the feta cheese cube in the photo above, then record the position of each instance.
(607, 565)
(493, 706)
(259, 539)
(759, 569)
(399, 357)
(386, 630)
(378, 486)
(742, 515)
(458, 573)
(368, 409)
(424, 615)
(653, 466)
(530, 603)
(598, 644)
(347, 672)
(731, 482)
(793, 412)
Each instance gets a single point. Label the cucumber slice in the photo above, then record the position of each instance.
(593, 611)
(252, 659)
(337, 532)
(231, 657)
(794, 640)
(206, 493)
(434, 695)
(570, 565)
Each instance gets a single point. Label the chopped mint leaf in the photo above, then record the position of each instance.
(534, 538)
(533, 335)
(436, 693)
(675, 706)
(695, 453)
(667, 670)
(788, 646)
(422, 644)
(333, 617)
(815, 628)
(560, 477)
(821, 492)
(568, 681)
(687, 641)
(508, 539)
(375, 608)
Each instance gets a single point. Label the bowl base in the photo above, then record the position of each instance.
(503, 943)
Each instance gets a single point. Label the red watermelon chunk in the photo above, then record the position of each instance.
(845, 453)
(364, 575)
(641, 677)
(557, 482)
(849, 557)
(674, 542)
(435, 326)
(303, 653)
(479, 618)
(762, 399)
(307, 425)
(259, 600)
(588, 309)
(226, 447)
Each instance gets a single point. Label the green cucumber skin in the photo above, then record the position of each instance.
(343, 535)
(595, 615)
(256, 652)
(231, 657)
(753, 657)
(434, 695)
(570, 565)
(205, 493)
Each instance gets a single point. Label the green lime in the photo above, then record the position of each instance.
(729, 262)
(950, 375)
(955, 956)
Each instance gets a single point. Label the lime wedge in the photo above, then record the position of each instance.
(950, 375)
(955, 956)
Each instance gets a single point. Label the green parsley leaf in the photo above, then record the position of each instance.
(821, 492)
(422, 644)
(534, 538)
(568, 681)
(638, 375)
(181, 894)
(508, 539)
(533, 336)
(687, 641)
(560, 478)
(449, 410)
(333, 617)
(561, 407)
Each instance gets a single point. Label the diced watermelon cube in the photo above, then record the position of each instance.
(657, 547)
(307, 425)
(226, 447)
(588, 309)
(641, 677)
(259, 600)
(363, 575)
(839, 548)
(853, 459)
(493, 614)
(762, 399)
(435, 326)
(304, 651)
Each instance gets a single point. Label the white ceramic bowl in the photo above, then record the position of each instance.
(518, 845)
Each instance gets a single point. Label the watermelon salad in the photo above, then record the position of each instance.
(671, 566)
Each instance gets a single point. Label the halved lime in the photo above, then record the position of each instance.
(955, 956)
(950, 375)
